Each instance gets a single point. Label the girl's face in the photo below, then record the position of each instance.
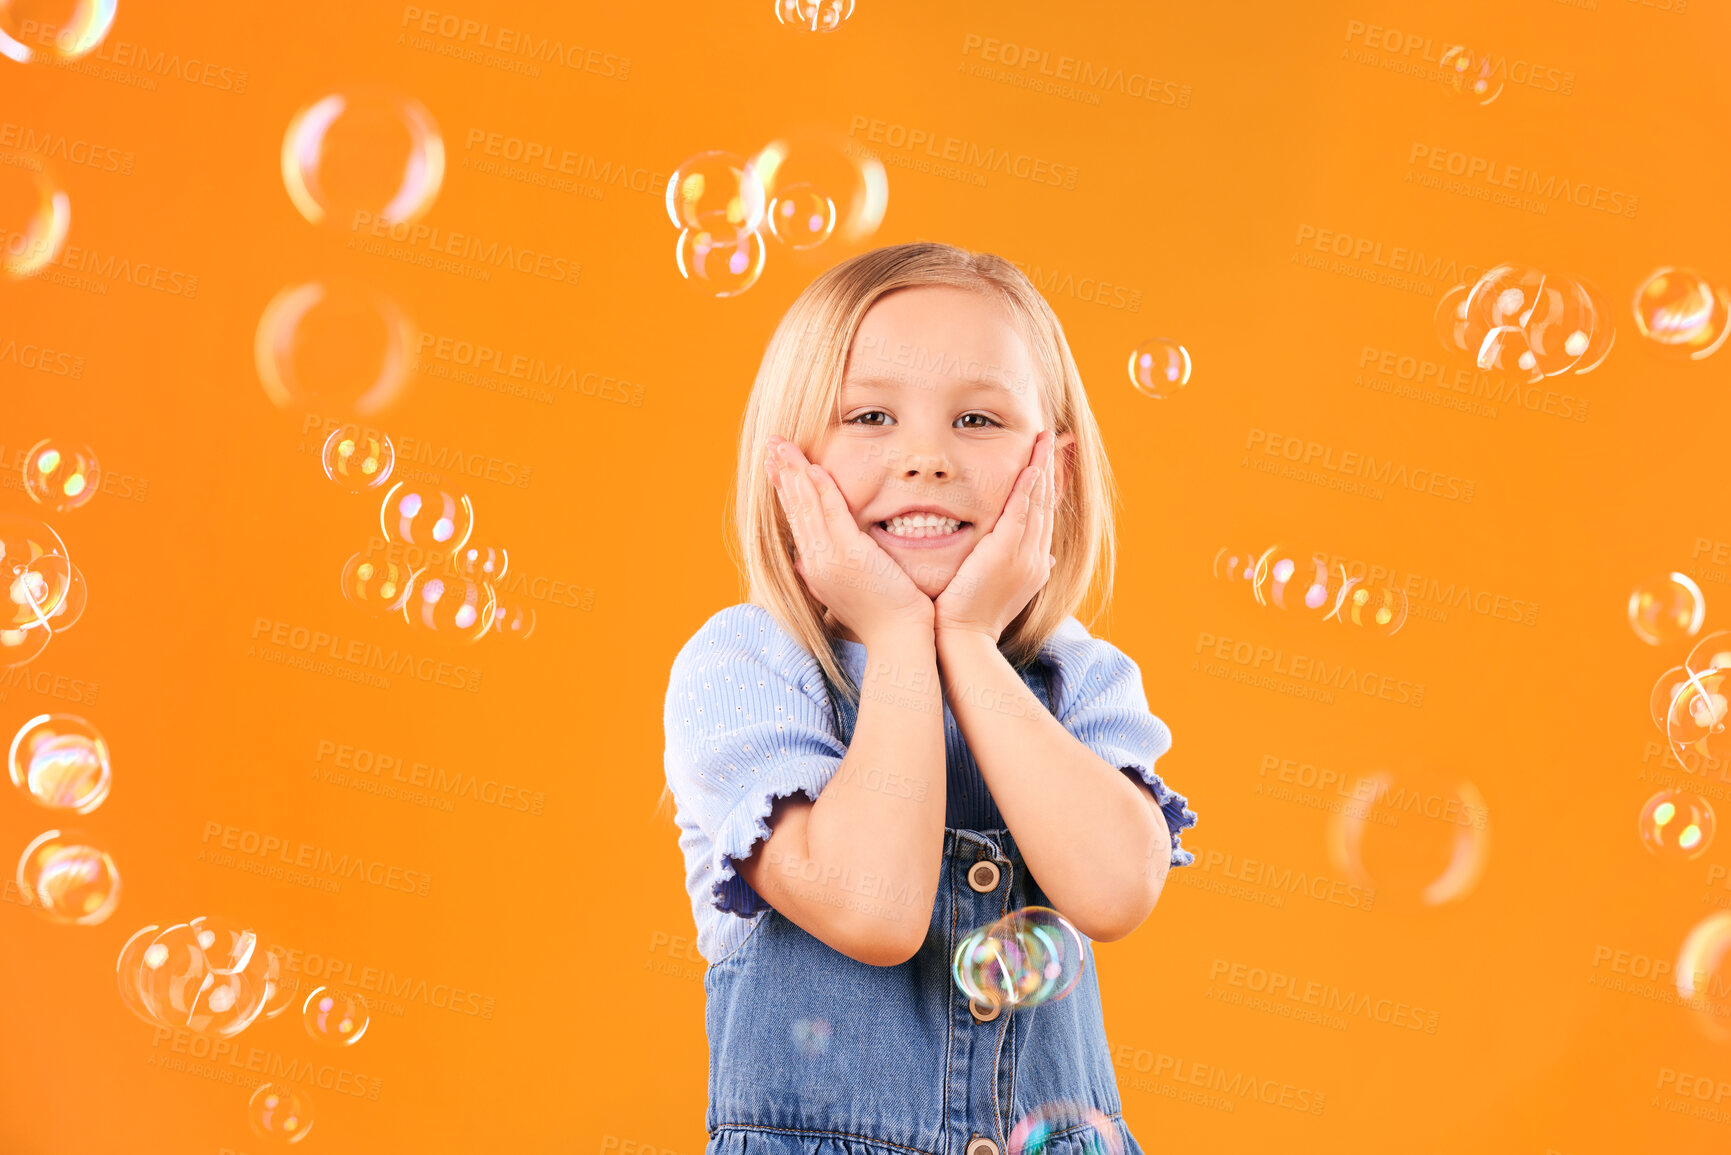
(938, 412)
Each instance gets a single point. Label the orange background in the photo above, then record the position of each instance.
(575, 921)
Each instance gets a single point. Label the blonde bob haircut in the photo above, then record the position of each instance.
(797, 395)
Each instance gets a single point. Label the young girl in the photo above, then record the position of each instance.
(904, 735)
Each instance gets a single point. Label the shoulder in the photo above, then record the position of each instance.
(1086, 667)
(746, 635)
(1072, 647)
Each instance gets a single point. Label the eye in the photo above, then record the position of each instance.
(981, 416)
(856, 419)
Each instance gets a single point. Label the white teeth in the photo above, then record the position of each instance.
(917, 525)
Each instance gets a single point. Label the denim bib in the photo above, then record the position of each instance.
(812, 1051)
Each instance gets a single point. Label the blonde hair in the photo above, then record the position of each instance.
(796, 394)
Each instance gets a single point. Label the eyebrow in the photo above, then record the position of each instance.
(879, 380)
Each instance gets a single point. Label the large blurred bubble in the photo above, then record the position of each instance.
(1029, 957)
(1704, 975)
(827, 161)
(35, 215)
(363, 152)
(1062, 1127)
(208, 975)
(1417, 838)
(53, 29)
(337, 345)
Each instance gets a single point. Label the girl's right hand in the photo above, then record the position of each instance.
(848, 572)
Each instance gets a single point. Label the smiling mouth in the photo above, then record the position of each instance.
(922, 529)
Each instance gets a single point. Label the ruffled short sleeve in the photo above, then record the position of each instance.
(1102, 703)
(748, 720)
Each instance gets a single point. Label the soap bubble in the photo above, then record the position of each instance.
(1712, 652)
(1159, 367)
(821, 156)
(1505, 349)
(363, 152)
(1377, 610)
(1665, 610)
(1030, 956)
(1604, 330)
(1681, 313)
(285, 992)
(208, 975)
(61, 762)
(36, 571)
(801, 217)
(813, 15)
(1704, 975)
(1300, 579)
(69, 608)
(480, 562)
(377, 585)
(1559, 324)
(1236, 567)
(1470, 75)
(513, 619)
(1065, 1127)
(280, 1112)
(1416, 838)
(1674, 824)
(128, 969)
(335, 1016)
(20, 646)
(716, 192)
(1451, 319)
(812, 1036)
(334, 345)
(35, 215)
(69, 878)
(452, 607)
(415, 513)
(358, 458)
(1699, 715)
(53, 29)
(719, 264)
(60, 476)
(1665, 691)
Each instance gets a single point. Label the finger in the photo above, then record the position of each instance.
(832, 506)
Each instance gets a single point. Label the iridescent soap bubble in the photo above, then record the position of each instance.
(1712, 652)
(35, 215)
(280, 1112)
(1299, 579)
(60, 475)
(1675, 824)
(69, 878)
(1505, 349)
(716, 192)
(1681, 313)
(451, 607)
(285, 991)
(208, 975)
(719, 264)
(1499, 299)
(35, 569)
(1604, 329)
(1665, 691)
(1030, 956)
(480, 562)
(1070, 1128)
(823, 157)
(360, 156)
(1559, 324)
(335, 345)
(53, 29)
(801, 217)
(812, 1036)
(813, 15)
(377, 585)
(129, 969)
(20, 646)
(1415, 838)
(415, 513)
(61, 762)
(1159, 367)
(335, 1016)
(1704, 975)
(1451, 319)
(1470, 75)
(1377, 610)
(358, 458)
(69, 608)
(1700, 713)
(1665, 610)
(1236, 567)
(513, 619)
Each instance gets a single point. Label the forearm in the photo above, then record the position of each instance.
(1086, 831)
(881, 816)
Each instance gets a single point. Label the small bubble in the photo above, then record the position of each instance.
(281, 1112)
(414, 513)
(358, 458)
(1677, 825)
(801, 217)
(1470, 75)
(1159, 367)
(1667, 609)
(813, 15)
(717, 193)
(1682, 314)
(69, 878)
(61, 762)
(60, 476)
(719, 264)
(335, 1016)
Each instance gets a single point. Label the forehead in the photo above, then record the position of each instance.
(932, 335)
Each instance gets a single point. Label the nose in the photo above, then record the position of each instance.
(927, 465)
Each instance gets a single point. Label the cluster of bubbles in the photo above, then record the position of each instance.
(1159, 367)
(45, 593)
(1028, 957)
(1065, 1125)
(431, 570)
(1527, 323)
(1471, 75)
(802, 189)
(1682, 314)
(1309, 584)
(61, 763)
(813, 15)
(1413, 837)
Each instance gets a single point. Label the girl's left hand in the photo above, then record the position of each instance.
(997, 580)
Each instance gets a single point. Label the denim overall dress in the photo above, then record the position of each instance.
(813, 1051)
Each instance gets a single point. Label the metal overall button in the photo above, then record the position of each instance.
(984, 1014)
(980, 1145)
(983, 876)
